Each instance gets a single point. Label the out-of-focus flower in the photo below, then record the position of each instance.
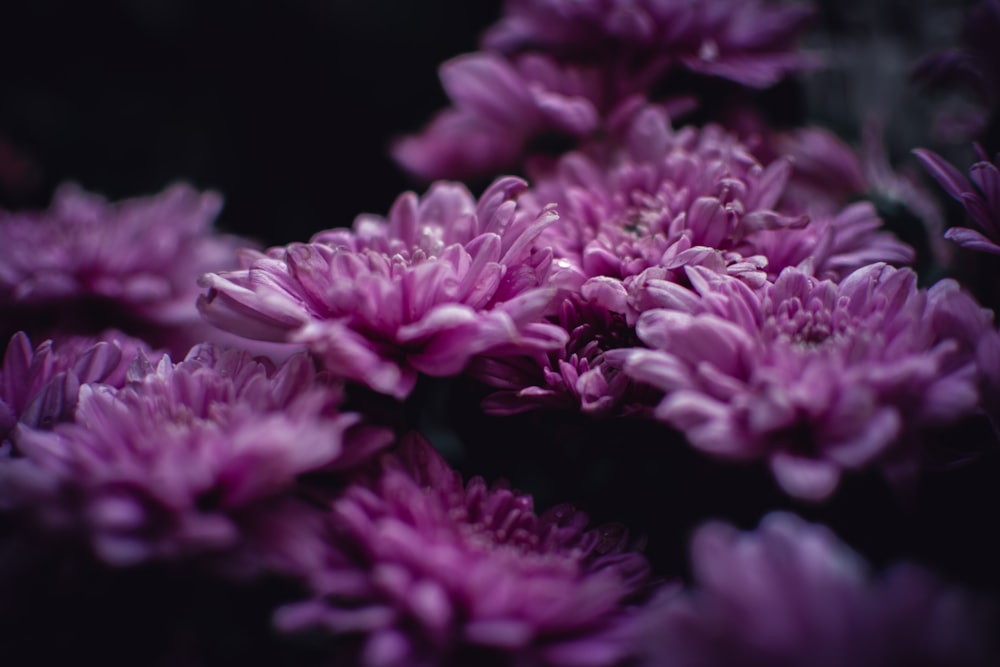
(173, 463)
(500, 106)
(568, 68)
(791, 594)
(751, 43)
(982, 202)
(974, 69)
(816, 377)
(93, 265)
(443, 279)
(419, 569)
(575, 377)
(39, 385)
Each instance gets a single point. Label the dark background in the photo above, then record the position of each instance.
(286, 108)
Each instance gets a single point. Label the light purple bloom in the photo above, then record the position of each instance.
(177, 461)
(982, 201)
(443, 279)
(814, 376)
(419, 569)
(132, 265)
(752, 43)
(790, 594)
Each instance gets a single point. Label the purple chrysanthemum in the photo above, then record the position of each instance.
(752, 43)
(668, 199)
(419, 569)
(133, 264)
(569, 68)
(499, 107)
(815, 376)
(982, 201)
(443, 279)
(171, 464)
(791, 594)
(575, 377)
(39, 385)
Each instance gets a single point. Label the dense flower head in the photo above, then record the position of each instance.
(39, 385)
(790, 594)
(668, 199)
(442, 279)
(751, 43)
(815, 376)
(420, 569)
(575, 377)
(567, 68)
(136, 261)
(169, 465)
(981, 198)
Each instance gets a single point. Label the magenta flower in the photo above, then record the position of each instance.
(39, 386)
(814, 376)
(661, 191)
(576, 377)
(418, 570)
(791, 594)
(443, 279)
(982, 202)
(669, 199)
(499, 107)
(751, 43)
(132, 265)
(175, 462)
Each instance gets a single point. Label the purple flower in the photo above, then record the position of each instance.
(982, 202)
(499, 107)
(751, 43)
(39, 386)
(791, 594)
(814, 376)
(668, 199)
(175, 462)
(418, 569)
(132, 265)
(575, 377)
(443, 279)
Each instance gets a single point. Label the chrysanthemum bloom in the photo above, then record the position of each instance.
(443, 279)
(982, 202)
(566, 68)
(421, 570)
(666, 199)
(93, 265)
(499, 107)
(39, 385)
(816, 377)
(575, 377)
(170, 465)
(751, 43)
(790, 594)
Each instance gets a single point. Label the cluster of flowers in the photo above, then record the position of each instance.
(690, 275)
